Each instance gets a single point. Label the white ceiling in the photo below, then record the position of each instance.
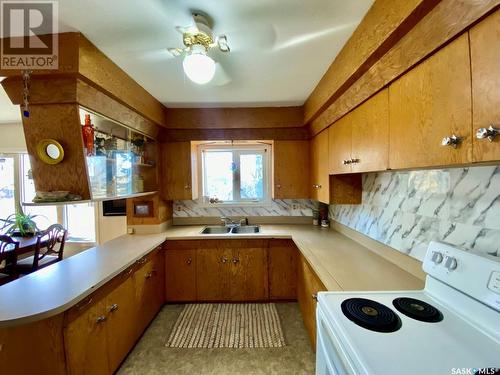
(280, 49)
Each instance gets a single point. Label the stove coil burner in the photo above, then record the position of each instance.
(371, 315)
(418, 310)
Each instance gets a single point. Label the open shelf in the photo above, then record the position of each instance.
(29, 204)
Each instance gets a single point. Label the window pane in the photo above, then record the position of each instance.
(45, 215)
(80, 222)
(218, 174)
(252, 176)
(7, 200)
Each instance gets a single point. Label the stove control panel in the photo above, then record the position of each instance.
(477, 275)
(494, 284)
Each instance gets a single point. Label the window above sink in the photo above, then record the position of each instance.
(234, 173)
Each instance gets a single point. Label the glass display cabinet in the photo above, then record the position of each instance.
(121, 162)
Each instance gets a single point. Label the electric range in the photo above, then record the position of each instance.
(450, 327)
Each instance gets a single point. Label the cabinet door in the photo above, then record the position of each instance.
(180, 272)
(142, 292)
(308, 285)
(249, 276)
(178, 161)
(320, 188)
(120, 332)
(340, 145)
(431, 102)
(213, 272)
(370, 134)
(282, 259)
(291, 169)
(85, 338)
(33, 348)
(485, 57)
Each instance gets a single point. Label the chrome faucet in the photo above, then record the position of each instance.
(228, 222)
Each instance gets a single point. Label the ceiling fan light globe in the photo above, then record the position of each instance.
(199, 68)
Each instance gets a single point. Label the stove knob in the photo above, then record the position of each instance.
(451, 263)
(437, 257)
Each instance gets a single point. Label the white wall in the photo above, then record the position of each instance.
(12, 138)
(109, 227)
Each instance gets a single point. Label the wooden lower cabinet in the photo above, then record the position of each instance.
(308, 286)
(101, 330)
(120, 333)
(247, 269)
(213, 277)
(85, 337)
(180, 271)
(33, 348)
(282, 260)
(231, 270)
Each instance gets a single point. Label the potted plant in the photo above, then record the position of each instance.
(19, 224)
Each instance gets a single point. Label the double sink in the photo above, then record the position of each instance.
(243, 229)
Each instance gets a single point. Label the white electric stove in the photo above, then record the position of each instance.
(450, 327)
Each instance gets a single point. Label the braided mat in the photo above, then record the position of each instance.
(227, 325)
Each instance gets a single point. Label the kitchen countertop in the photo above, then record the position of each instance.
(340, 262)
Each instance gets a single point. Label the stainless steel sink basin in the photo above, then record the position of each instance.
(246, 229)
(215, 230)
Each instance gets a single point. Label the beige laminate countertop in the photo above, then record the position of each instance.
(340, 262)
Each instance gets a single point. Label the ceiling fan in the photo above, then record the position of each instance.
(198, 40)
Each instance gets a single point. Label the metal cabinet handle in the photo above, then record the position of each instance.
(318, 186)
(101, 319)
(452, 141)
(278, 186)
(149, 275)
(223, 260)
(489, 133)
(88, 302)
(113, 307)
(189, 261)
(354, 160)
(347, 161)
(187, 187)
(314, 296)
(236, 260)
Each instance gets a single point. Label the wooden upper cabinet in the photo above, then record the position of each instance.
(485, 58)
(178, 171)
(340, 145)
(431, 102)
(291, 169)
(370, 134)
(319, 179)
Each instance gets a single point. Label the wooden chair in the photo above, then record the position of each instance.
(48, 250)
(8, 259)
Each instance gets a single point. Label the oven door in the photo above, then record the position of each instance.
(329, 357)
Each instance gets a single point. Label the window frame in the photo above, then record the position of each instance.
(239, 149)
(19, 192)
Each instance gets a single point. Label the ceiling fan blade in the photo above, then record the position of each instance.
(248, 38)
(312, 36)
(221, 77)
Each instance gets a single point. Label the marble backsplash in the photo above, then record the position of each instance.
(406, 210)
(277, 207)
